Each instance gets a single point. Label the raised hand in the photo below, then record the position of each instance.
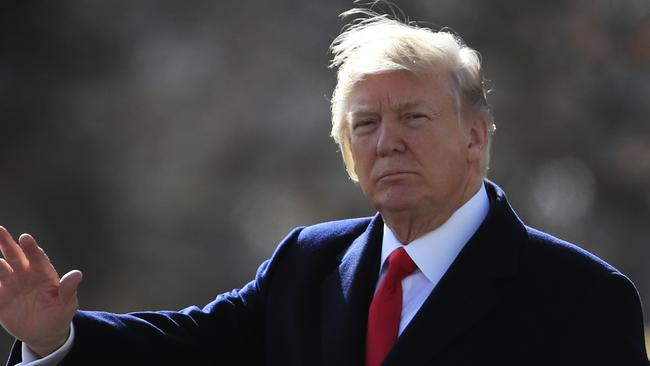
(36, 306)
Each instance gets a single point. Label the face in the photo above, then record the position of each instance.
(410, 152)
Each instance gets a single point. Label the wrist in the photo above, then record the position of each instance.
(46, 347)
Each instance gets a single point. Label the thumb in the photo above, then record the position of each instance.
(69, 283)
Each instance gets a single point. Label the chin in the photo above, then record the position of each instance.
(397, 202)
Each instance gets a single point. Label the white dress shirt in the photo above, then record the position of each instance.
(433, 252)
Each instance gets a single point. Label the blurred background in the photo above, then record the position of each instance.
(165, 147)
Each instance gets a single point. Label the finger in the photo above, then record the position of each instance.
(69, 284)
(11, 251)
(34, 254)
(5, 270)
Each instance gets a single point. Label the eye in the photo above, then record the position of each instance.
(415, 116)
(363, 125)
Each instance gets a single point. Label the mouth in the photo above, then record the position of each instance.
(394, 175)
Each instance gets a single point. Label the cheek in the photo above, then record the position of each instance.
(440, 156)
(363, 163)
(361, 153)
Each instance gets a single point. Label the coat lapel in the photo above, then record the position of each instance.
(470, 289)
(346, 296)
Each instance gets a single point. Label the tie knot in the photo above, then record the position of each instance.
(401, 264)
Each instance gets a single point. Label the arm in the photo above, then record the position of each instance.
(231, 328)
(36, 306)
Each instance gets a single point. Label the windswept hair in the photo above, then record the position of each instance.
(376, 43)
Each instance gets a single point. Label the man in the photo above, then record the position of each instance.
(444, 274)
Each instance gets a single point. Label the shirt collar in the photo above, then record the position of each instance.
(434, 251)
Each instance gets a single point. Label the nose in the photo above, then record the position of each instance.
(390, 140)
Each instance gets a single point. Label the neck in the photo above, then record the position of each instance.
(409, 225)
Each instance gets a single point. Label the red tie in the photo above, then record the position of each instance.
(386, 308)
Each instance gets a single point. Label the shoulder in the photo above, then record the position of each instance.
(590, 302)
(544, 258)
(309, 252)
(333, 231)
(320, 240)
(546, 250)
(566, 269)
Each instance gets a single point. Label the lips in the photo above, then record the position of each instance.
(394, 174)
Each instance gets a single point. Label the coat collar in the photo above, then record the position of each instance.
(346, 297)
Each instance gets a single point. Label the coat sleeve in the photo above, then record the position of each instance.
(229, 330)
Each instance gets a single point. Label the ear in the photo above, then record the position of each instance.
(477, 136)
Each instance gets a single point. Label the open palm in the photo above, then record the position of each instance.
(35, 305)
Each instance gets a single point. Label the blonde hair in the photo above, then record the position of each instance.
(377, 43)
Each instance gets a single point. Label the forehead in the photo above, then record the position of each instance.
(399, 90)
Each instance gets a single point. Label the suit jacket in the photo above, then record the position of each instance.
(513, 296)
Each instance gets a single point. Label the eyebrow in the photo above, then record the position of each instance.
(361, 110)
(404, 104)
(400, 105)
